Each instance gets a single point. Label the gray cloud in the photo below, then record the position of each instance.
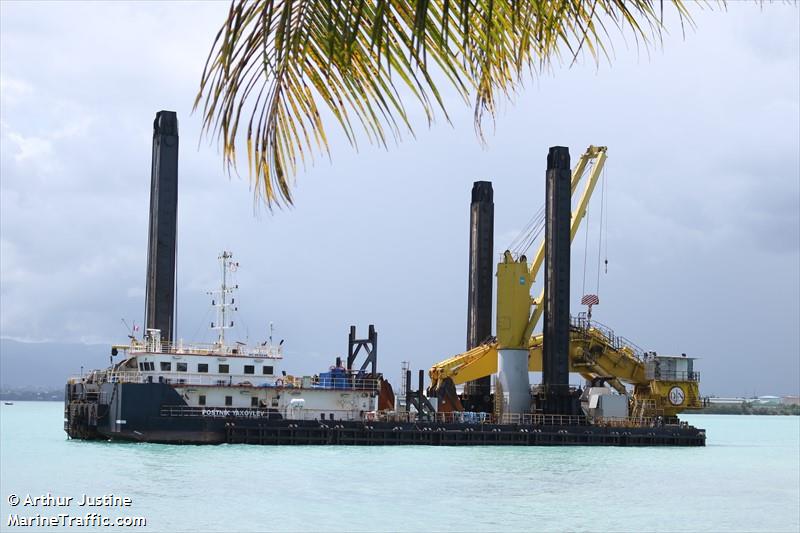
(702, 182)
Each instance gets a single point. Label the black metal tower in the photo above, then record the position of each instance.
(370, 346)
(555, 351)
(479, 301)
(160, 291)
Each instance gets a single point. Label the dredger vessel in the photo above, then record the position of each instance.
(168, 391)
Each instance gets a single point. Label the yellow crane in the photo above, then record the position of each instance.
(662, 385)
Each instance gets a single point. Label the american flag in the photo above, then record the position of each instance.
(590, 299)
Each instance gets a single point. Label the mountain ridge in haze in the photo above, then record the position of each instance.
(47, 364)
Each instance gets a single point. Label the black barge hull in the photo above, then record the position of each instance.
(154, 412)
(280, 432)
(184, 430)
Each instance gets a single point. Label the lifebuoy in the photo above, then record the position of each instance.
(279, 382)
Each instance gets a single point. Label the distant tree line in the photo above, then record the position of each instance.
(746, 408)
(27, 395)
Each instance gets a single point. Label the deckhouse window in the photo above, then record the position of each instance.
(201, 400)
(147, 365)
(166, 366)
(224, 369)
(254, 401)
(268, 370)
(202, 367)
(181, 367)
(249, 369)
(228, 400)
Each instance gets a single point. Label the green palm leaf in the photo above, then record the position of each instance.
(276, 65)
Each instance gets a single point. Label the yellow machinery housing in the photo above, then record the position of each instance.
(662, 386)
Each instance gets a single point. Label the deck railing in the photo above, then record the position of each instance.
(674, 375)
(180, 348)
(334, 415)
(581, 322)
(352, 382)
(328, 416)
(521, 419)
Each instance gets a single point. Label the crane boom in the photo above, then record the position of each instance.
(594, 351)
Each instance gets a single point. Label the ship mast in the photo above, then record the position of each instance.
(221, 297)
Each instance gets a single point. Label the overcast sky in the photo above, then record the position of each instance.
(702, 181)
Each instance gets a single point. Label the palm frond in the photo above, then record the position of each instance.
(277, 65)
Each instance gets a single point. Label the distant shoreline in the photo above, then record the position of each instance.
(744, 408)
(51, 395)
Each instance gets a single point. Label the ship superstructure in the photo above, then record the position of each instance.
(208, 382)
(241, 376)
(168, 390)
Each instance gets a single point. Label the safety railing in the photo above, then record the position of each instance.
(459, 417)
(326, 416)
(203, 379)
(352, 382)
(134, 376)
(640, 407)
(521, 419)
(477, 418)
(289, 413)
(215, 412)
(464, 417)
(549, 420)
(644, 422)
(624, 421)
(581, 322)
(296, 412)
(92, 376)
(149, 345)
(391, 416)
(670, 375)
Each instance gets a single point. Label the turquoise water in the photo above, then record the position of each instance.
(746, 479)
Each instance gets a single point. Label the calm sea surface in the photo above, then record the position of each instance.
(746, 479)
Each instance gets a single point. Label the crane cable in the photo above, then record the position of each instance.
(529, 233)
(585, 249)
(603, 227)
(602, 239)
(519, 242)
(535, 226)
(532, 237)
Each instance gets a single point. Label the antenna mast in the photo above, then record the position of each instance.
(228, 265)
